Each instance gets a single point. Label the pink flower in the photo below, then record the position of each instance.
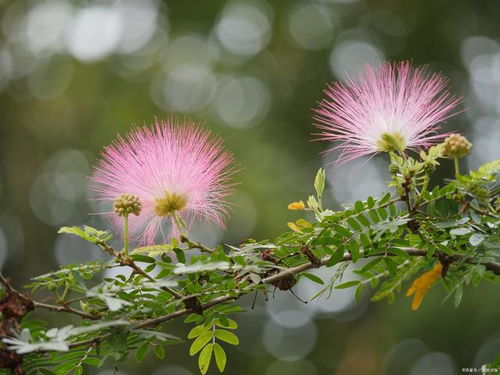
(173, 170)
(391, 107)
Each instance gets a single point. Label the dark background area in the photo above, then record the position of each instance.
(73, 74)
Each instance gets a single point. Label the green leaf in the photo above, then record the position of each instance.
(370, 264)
(87, 233)
(487, 171)
(370, 202)
(359, 291)
(341, 230)
(141, 352)
(225, 322)
(476, 239)
(181, 257)
(153, 250)
(205, 358)
(200, 342)
(374, 216)
(220, 357)
(363, 220)
(460, 231)
(391, 265)
(197, 331)
(399, 252)
(228, 308)
(347, 284)
(337, 256)
(227, 336)
(354, 250)
(354, 224)
(93, 361)
(319, 182)
(159, 351)
(77, 231)
(222, 321)
(359, 206)
(143, 258)
(384, 199)
(365, 241)
(393, 211)
(192, 318)
(382, 213)
(313, 278)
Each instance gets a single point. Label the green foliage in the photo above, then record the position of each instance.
(153, 250)
(88, 233)
(205, 336)
(388, 241)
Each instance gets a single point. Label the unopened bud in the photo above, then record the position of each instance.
(393, 169)
(456, 146)
(296, 206)
(127, 204)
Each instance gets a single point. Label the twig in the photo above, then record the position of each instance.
(195, 245)
(64, 308)
(127, 261)
(6, 283)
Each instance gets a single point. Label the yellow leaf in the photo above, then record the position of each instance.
(293, 227)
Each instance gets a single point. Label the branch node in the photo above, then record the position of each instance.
(193, 304)
(315, 261)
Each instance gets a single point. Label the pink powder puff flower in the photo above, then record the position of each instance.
(175, 171)
(389, 108)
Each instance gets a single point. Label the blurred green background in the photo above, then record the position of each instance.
(73, 74)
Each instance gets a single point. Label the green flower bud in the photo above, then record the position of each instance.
(393, 169)
(127, 204)
(456, 146)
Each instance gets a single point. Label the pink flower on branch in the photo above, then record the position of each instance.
(176, 171)
(392, 107)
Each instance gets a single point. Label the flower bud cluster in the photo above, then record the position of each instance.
(456, 146)
(127, 204)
